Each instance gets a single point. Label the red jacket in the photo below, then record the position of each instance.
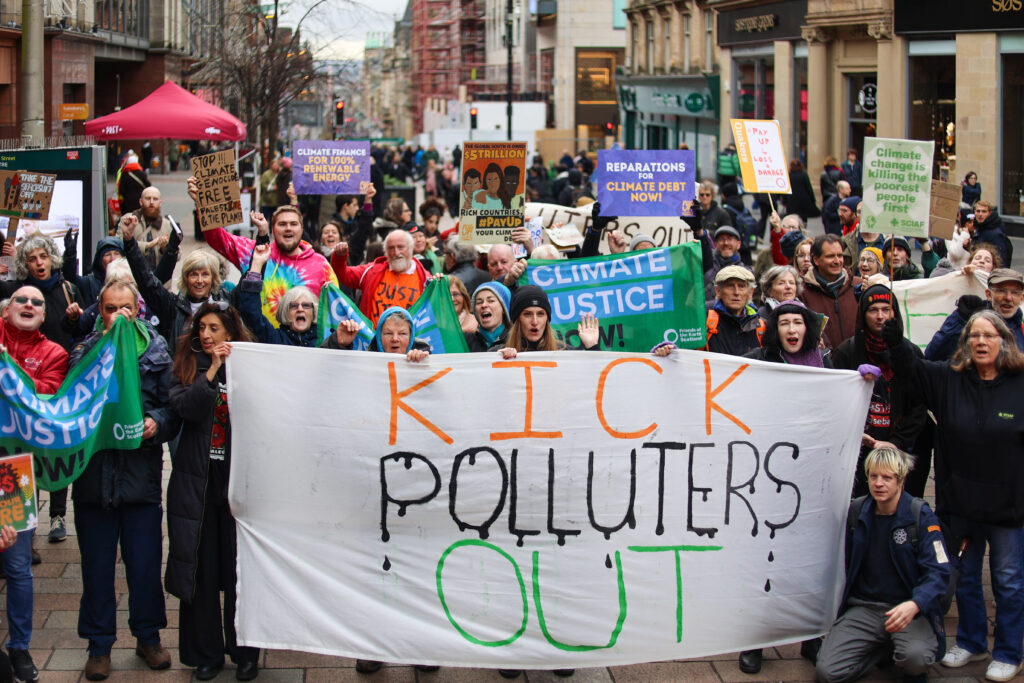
(367, 276)
(46, 362)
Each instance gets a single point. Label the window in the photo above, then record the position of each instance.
(649, 66)
(686, 44)
(668, 44)
(709, 39)
(634, 45)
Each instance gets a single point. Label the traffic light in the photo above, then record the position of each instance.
(339, 112)
(472, 118)
(609, 128)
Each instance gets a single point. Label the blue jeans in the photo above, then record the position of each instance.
(137, 527)
(18, 565)
(1006, 563)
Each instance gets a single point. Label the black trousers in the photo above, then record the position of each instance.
(203, 638)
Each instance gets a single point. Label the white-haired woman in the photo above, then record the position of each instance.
(200, 282)
(979, 477)
(296, 310)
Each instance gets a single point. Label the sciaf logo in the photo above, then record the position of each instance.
(212, 130)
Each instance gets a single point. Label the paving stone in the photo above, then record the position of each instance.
(693, 672)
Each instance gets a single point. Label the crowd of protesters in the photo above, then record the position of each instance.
(824, 302)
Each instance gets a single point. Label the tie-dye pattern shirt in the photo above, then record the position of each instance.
(307, 268)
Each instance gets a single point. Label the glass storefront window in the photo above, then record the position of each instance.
(863, 99)
(933, 107)
(755, 88)
(800, 95)
(1012, 200)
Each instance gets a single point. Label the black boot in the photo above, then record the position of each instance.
(750, 661)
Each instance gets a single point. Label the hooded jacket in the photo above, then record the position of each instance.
(116, 477)
(842, 309)
(90, 284)
(375, 344)
(907, 415)
(281, 273)
(992, 232)
(46, 362)
(367, 276)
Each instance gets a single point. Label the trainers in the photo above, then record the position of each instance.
(24, 668)
(957, 656)
(155, 655)
(58, 530)
(997, 671)
(97, 667)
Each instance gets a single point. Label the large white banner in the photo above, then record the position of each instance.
(564, 509)
(665, 232)
(926, 303)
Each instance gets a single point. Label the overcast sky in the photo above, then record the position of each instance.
(337, 30)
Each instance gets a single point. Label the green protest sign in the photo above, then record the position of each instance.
(897, 186)
(98, 406)
(436, 319)
(640, 298)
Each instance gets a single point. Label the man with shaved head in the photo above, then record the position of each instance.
(154, 228)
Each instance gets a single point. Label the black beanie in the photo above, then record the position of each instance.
(526, 296)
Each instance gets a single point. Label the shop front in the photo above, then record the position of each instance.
(664, 112)
(764, 66)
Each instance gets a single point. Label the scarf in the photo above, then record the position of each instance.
(46, 285)
(771, 303)
(832, 288)
(492, 336)
(878, 354)
(811, 359)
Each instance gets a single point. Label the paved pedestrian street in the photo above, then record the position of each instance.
(60, 654)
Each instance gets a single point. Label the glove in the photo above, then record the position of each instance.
(599, 222)
(867, 370)
(968, 305)
(71, 242)
(892, 333)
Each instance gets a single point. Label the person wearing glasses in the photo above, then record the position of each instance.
(979, 477)
(296, 309)
(1003, 295)
(46, 363)
(200, 528)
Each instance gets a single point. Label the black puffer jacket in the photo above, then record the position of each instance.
(194, 404)
(114, 477)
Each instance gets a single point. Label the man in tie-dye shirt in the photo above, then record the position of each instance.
(292, 261)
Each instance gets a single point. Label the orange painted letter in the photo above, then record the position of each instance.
(600, 399)
(528, 432)
(709, 397)
(397, 402)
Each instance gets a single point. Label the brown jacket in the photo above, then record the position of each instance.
(842, 311)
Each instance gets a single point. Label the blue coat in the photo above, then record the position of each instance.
(943, 343)
(921, 572)
(251, 308)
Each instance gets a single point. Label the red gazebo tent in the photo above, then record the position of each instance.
(170, 111)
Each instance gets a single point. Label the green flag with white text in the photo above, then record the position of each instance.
(98, 406)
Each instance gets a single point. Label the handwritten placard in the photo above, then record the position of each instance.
(17, 492)
(331, 166)
(897, 186)
(219, 201)
(35, 192)
(762, 159)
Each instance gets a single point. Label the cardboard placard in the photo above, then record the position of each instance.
(493, 191)
(35, 192)
(18, 492)
(646, 182)
(762, 159)
(943, 210)
(9, 194)
(331, 166)
(219, 201)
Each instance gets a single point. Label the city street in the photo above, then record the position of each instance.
(60, 654)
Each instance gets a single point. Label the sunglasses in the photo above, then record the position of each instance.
(22, 300)
(295, 305)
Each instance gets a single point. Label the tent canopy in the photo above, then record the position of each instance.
(170, 111)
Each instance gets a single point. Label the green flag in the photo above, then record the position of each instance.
(436, 319)
(98, 406)
(640, 298)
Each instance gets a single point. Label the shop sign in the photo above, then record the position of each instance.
(762, 24)
(867, 98)
(663, 98)
(955, 16)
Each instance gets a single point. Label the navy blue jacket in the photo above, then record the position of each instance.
(251, 308)
(921, 572)
(943, 343)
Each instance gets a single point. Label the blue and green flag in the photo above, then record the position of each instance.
(640, 298)
(97, 407)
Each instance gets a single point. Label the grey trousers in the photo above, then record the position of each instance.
(858, 640)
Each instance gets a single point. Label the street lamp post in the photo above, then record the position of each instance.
(508, 66)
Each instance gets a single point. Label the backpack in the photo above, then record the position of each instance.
(712, 326)
(914, 532)
(746, 224)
